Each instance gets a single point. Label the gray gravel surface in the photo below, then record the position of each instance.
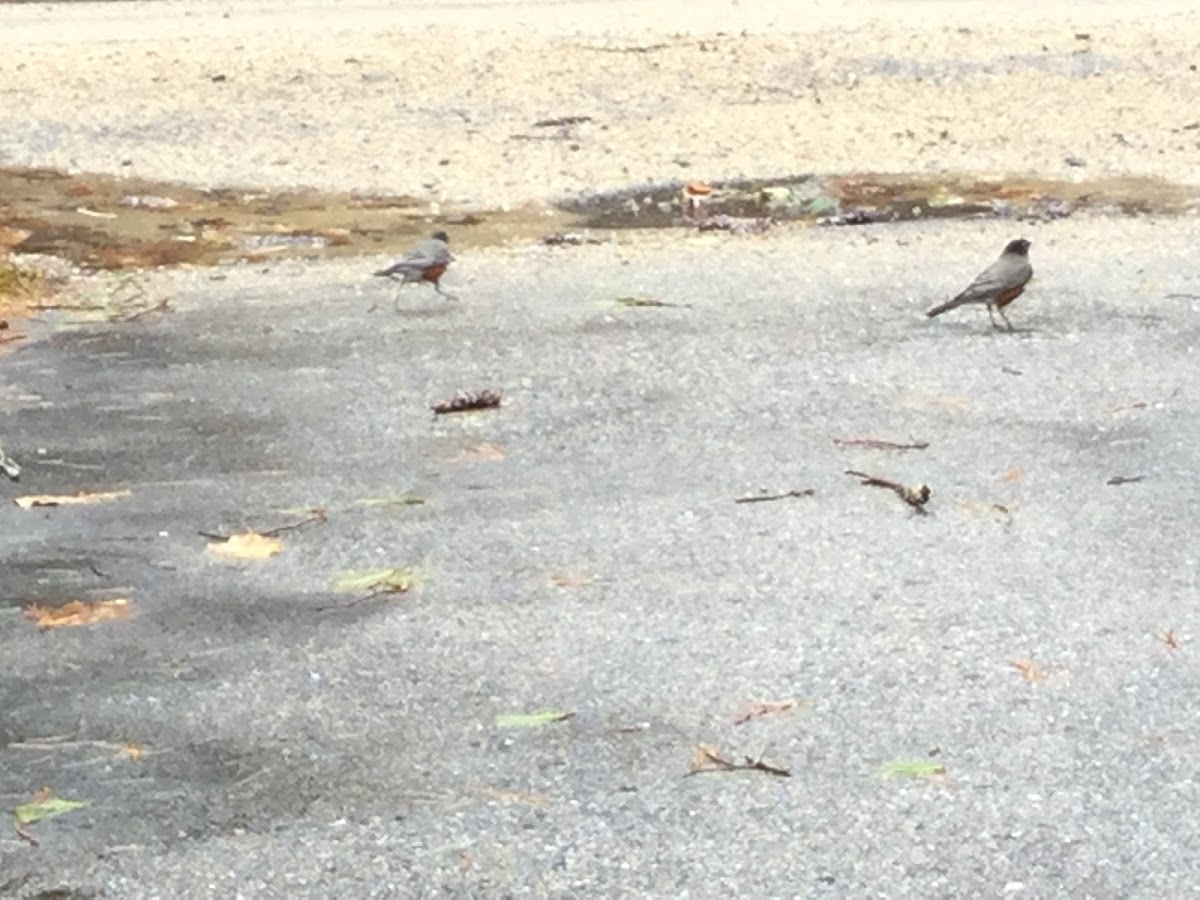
(298, 746)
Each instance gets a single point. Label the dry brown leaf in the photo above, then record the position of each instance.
(481, 453)
(78, 612)
(706, 757)
(1168, 639)
(766, 708)
(1028, 670)
(43, 794)
(1013, 474)
(248, 545)
(31, 500)
(571, 581)
(131, 751)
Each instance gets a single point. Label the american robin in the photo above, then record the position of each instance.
(426, 260)
(998, 285)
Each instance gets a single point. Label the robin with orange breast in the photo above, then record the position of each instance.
(426, 261)
(998, 285)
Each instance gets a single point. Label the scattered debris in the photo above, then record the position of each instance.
(632, 48)
(766, 708)
(9, 466)
(1167, 637)
(148, 201)
(915, 496)
(532, 720)
(707, 758)
(83, 497)
(1028, 670)
(1125, 479)
(912, 768)
(857, 217)
(1013, 474)
(562, 121)
(466, 402)
(735, 224)
(878, 444)
(78, 612)
(765, 498)
(570, 239)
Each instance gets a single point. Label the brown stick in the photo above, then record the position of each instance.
(764, 498)
(314, 516)
(1126, 479)
(721, 764)
(877, 444)
(916, 496)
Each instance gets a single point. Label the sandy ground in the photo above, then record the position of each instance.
(440, 100)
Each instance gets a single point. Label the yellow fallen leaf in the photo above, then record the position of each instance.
(1028, 670)
(31, 500)
(131, 751)
(248, 545)
(78, 612)
(1013, 474)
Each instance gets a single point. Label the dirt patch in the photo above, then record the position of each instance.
(860, 199)
(99, 222)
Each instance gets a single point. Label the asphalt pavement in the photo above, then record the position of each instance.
(580, 550)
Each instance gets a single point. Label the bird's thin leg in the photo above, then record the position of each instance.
(396, 298)
(1005, 318)
(437, 287)
(992, 317)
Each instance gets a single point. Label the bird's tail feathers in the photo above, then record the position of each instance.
(945, 307)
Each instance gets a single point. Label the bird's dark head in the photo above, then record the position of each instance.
(1019, 247)
(445, 238)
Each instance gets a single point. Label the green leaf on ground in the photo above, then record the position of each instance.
(820, 205)
(531, 720)
(397, 580)
(912, 768)
(47, 808)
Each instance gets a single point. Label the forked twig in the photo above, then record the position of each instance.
(709, 760)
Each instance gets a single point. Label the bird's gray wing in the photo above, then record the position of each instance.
(1003, 274)
(421, 255)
